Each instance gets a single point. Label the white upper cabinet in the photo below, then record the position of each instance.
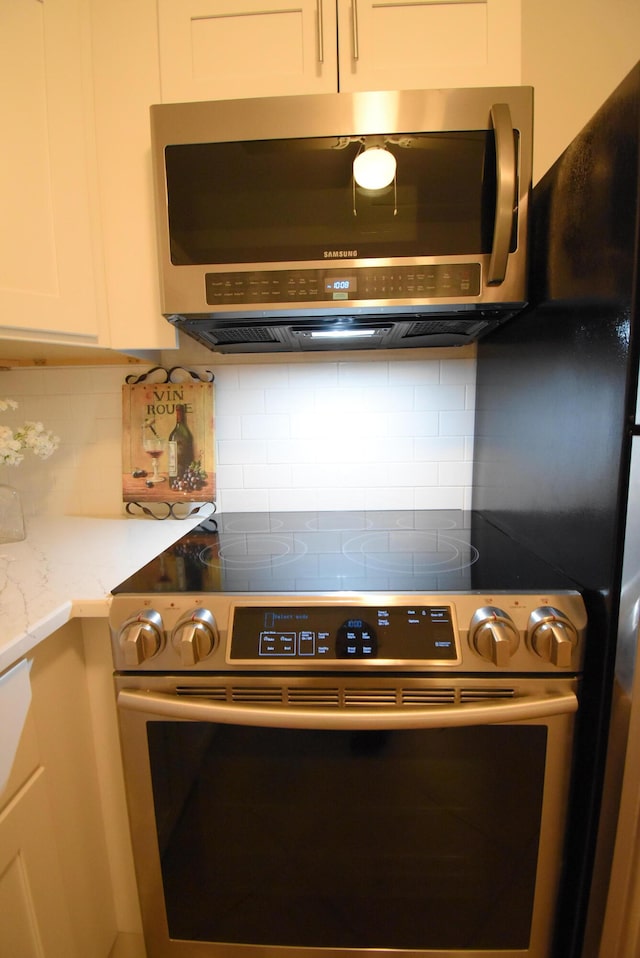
(424, 44)
(221, 49)
(49, 241)
(126, 83)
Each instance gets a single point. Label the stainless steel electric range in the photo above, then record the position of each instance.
(348, 733)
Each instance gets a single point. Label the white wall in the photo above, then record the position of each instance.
(389, 433)
(574, 53)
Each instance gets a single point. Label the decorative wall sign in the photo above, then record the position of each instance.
(167, 440)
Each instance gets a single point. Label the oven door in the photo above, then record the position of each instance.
(410, 818)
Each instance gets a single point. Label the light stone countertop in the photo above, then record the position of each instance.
(67, 567)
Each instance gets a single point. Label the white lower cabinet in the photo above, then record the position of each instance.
(34, 918)
(56, 898)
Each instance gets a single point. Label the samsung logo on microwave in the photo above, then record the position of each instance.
(340, 253)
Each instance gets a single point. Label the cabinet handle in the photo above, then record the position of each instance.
(320, 18)
(354, 28)
(505, 192)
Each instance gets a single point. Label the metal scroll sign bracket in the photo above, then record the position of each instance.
(168, 443)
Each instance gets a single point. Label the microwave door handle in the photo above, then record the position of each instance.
(505, 192)
(170, 706)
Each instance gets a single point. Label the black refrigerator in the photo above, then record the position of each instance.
(557, 465)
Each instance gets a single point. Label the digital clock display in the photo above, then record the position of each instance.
(340, 286)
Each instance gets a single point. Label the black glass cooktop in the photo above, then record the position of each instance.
(320, 552)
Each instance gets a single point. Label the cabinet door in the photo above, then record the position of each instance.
(47, 274)
(34, 920)
(421, 44)
(222, 49)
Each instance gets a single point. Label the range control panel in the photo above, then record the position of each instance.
(350, 284)
(435, 633)
(421, 633)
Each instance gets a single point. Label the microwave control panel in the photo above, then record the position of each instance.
(351, 284)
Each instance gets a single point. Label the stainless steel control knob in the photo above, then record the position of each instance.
(493, 635)
(141, 636)
(195, 636)
(552, 636)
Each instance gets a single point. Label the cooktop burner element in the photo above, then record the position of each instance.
(358, 551)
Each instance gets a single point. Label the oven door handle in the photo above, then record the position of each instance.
(527, 707)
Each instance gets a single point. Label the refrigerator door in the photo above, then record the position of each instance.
(621, 930)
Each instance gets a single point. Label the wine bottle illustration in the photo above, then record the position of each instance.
(180, 448)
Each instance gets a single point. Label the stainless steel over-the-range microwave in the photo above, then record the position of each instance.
(347, 220)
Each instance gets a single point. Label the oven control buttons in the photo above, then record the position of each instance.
(493, 635)
(141, 636)
(553, 637)
(356, 639)
(194, 636)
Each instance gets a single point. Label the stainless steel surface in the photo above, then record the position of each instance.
(518, 609)
(140, 638)
(494, 636)
(506, 198)
(435, 317)
(194, 636)
(552, 636)
(249, 691)
(148, 699)
(523, 703)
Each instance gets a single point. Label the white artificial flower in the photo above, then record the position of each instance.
(31, 435)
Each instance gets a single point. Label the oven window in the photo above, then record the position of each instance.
(410, 839)
(290, 200)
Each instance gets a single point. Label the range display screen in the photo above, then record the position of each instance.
(408, 633)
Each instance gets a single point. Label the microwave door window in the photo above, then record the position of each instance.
(289, 200)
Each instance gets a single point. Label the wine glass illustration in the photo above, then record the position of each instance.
(153, 445)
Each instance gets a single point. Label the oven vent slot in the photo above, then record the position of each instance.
(257, 695)
(217, 693)
(420, 697)
(315, 697)
(367, 697)
(483, 694)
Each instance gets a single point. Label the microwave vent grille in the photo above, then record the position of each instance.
(436, 327)
(244, 334)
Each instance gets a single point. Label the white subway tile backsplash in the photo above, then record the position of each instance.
(265, 427)
(312, 434)
(437, 448)
(458, 371)
(266, 476)
(454, 473)
(243, 500)
(309, 375)
(263, 376)
(456, 423)
(440, 397)
(241, 451)
(413, 424)
(414, 372)
(440, 497)
(416, 474)
(363, 374)
(239, 402)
